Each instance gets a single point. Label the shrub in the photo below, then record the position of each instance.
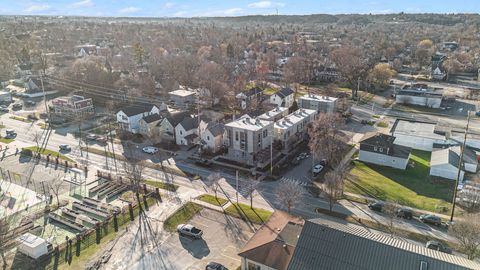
(26, 152)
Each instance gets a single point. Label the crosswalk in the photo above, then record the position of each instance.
(295, 181)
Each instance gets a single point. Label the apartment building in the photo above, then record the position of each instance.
(323, 104)
(292, 129)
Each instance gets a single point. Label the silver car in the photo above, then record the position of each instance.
(189, 230)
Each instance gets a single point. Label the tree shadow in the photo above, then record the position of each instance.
(198, 248)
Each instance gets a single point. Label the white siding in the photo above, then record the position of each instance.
(383, 160)
(416, 142)
(447, 171)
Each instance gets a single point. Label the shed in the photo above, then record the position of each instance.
(32, 245)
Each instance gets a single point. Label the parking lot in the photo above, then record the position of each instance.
(223, 237)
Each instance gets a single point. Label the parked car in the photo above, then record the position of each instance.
(102, 139)
(189, 230)
(432, 219)
(215, 266)
(317, 169)
(303, 155)
(435, 245)
(406, 213)
(376, 206)
(204, 163)
(477, 113)
(150, 150)
(3, 108)
(30, 102)
(11, 133)
(65, 147)
(17, 106)
(91, 136)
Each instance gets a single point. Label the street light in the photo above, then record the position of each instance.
(460, 161)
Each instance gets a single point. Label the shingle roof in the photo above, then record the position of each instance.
(274, 242)
(175, 118)
(253, 91)
(374, 141)
(189, 123)
(284, 92)
(216, 128)
(137, 109)
(444, 156)
(330, 245)
(152, 118)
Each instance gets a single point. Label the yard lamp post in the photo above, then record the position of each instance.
(460, 162)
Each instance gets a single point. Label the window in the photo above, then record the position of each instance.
(252, 266)
(181, 132)
(236, 135)
(423, 265)
(375, 148)
(381, 150)
(208, 138)
(265, 133)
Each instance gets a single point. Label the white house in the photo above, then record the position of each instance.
(212, 137)
(129, 118)
(248, 97)
(186, 132)
(444, 163)
(292, 129)
(283, 98)
(249, 139)
(380, 149)
(319, 103)
(182, 98)
(148, 125)
(166, 127)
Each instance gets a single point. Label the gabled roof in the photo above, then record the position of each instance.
(444, 157)
(152, 118)
(273, 244)
(175, 118)
(329, 245)
(189, 123)
(284, 92)
(137, 109)
(216, 128)
(372, 142)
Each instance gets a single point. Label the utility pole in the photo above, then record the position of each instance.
(460, 162)
(271, 153)
(236, 183)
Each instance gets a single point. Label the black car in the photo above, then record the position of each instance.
(406, 213)
(435, 245)
(215, 266)
(204, 163)
(376, 206)
(432, 219)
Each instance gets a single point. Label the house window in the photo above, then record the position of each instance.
(236, 135)
(181, 132)
(252, 266)
(265, 133)
(423, 265)
(208, 138)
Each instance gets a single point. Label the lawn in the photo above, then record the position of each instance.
(412, 187)
(51, 152)
(162, 185)
(42, 125)
(6, 140)
(181, 216)
(270, 91)
(255, 215)
(23, 119)
(212, 200)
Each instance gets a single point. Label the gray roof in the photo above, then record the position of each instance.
(384, 144)
(137, 109)
(443, 157)
(152, 118)
(175, 118)
(189, 123)
(216, 128)
(330, 245)
(284, 92)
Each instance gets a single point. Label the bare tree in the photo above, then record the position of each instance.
(4, 228)
(332, 187)
(469, 198)
(55, 186)
(326, 139)
(289, 193)
(467, 232)
(390, 210)
(37, 138)
(213, 180)
(251, 185)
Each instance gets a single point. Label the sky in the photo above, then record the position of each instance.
(207, 8)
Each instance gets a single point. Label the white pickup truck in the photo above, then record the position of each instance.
(189, 230)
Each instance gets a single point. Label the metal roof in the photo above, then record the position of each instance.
(330, 245)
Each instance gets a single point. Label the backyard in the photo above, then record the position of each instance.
(413, 187)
